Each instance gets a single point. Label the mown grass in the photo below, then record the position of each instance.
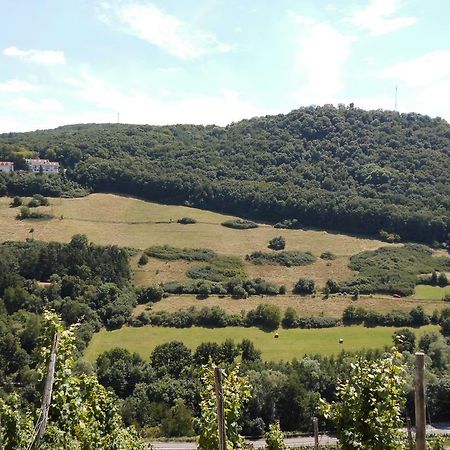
(427, 292)
(290, 344)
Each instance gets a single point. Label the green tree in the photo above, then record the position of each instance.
(368, 412)
(404, 340)
(171, 358)
(83, 414)
(304, 286)
(236, 392)
(266, 316)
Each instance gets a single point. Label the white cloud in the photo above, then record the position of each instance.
(378, 17)
(139, 107)
(420, 71)
(39, 106)
(148, 22)
(302, 20)
(48, 57)
(17, 86)
(169, 69)
(321, 55)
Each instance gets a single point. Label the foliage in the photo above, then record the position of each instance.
(218, 269)
(277, 243)
(25, 213)
(239, 224)
(304, 286)
(404, 340)
(266, 316)
(187, 220)
(146, 294)
(283, 258)
(83, 414)
(38, 200)
(143, 260)
(16, 201)
(236, 392)
(392, 269)
(329, 256)
(275, 438)
(368, 413)
(169, 253)
(292, 224)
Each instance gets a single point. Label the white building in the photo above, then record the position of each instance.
(42, 165)
(6, 166)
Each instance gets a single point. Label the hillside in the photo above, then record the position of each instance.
(334, 168)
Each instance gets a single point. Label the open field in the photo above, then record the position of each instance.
(424, 291)
(305, 306)
(113, 219)
(290, 344)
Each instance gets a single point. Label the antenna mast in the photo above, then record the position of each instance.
(395, 105)
(118, 117)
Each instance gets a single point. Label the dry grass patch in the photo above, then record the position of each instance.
(305, 306)
(114, 219)
(320, 271)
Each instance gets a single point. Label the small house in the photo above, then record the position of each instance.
(6, 166)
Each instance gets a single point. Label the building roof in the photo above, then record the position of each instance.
(6, 163)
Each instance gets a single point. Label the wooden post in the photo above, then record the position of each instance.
(47, 395)
(316, 433)
(410, 439)
(420, 402)
(220, 408)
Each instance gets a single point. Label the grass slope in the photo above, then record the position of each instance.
(113, 219)
(290, 344)
(426, 292)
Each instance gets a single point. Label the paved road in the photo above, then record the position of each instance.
(290, 442)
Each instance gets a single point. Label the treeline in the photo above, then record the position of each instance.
(339, 168)
(164, 389)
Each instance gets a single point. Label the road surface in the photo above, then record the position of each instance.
(290, 442)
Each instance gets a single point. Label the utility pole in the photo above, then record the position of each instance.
(420, 401)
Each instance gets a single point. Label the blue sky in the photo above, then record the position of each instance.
(217, 61)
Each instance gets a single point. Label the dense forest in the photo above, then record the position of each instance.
(336, 168)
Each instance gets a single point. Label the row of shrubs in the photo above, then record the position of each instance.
(283, 258)
(237, 287)
(268, 317)
(36, 200)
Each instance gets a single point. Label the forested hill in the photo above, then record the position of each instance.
(337, 168)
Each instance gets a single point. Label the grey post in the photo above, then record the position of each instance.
(420, 402)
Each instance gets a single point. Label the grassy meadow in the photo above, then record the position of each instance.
(114, 219)
(427, 292)
(293, 343)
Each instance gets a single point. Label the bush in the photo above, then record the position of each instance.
(283, 258)
(143, 260)
(304, 286)
(16, 202)
(277, 243)
(328, 256)
(292, 224)
(240, 224)
(38, 200)
(265, 316)
(187, 220)
(25, 213)
(169, 253)
(275, 438)
(149, 294)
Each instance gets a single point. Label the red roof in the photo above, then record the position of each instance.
(6, 163)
